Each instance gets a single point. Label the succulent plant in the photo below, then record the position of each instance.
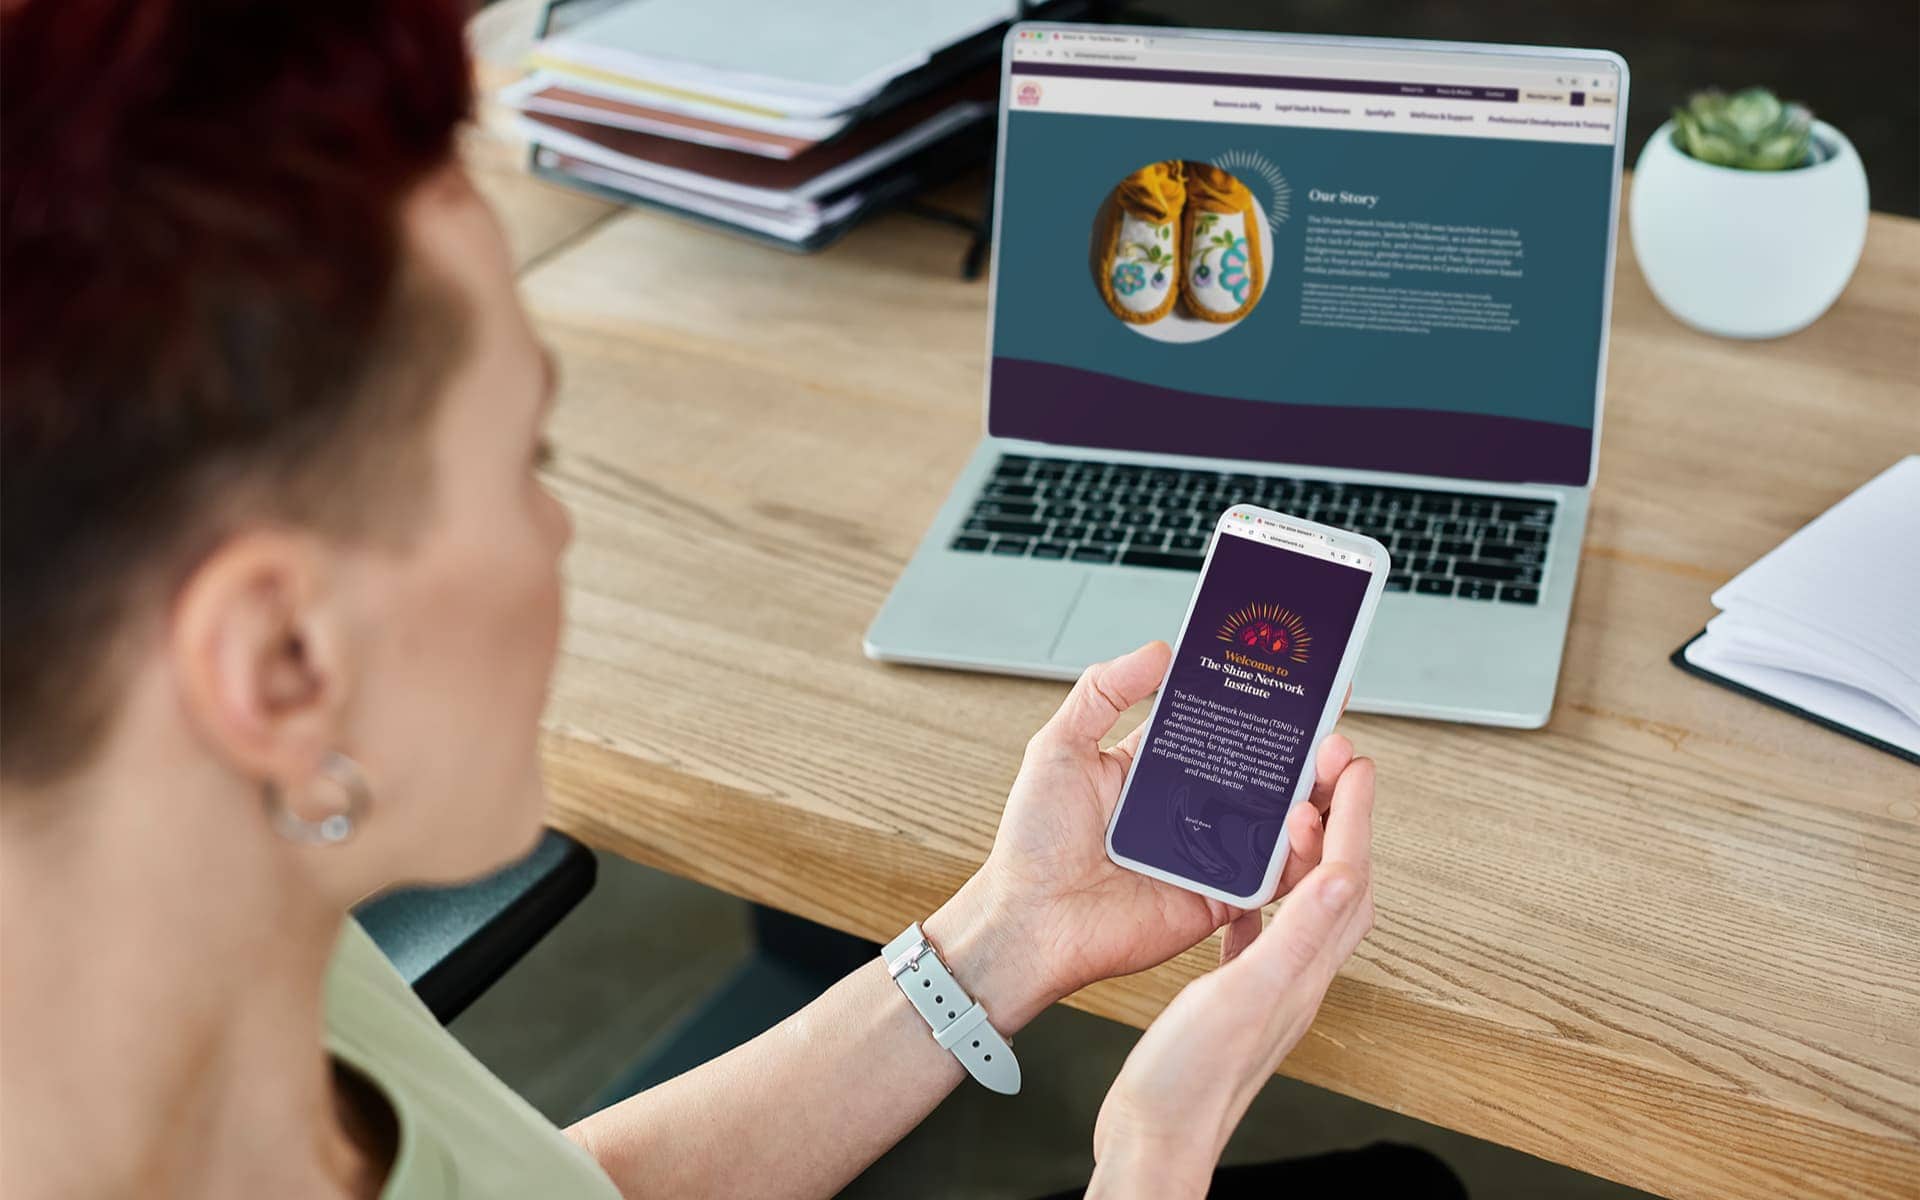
(1751, 130)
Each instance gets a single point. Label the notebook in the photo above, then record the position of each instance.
(1827, 624)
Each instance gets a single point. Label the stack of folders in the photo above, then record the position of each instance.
(786, 121)
(1827, 624)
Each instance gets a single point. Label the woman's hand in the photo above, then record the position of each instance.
(1049, 912)
(1191, 1076)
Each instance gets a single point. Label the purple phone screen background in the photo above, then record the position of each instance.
(1209, 794)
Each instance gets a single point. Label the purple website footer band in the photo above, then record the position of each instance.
(1047, 403)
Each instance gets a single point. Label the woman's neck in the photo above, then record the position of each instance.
(161, 1002)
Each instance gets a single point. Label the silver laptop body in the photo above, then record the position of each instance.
(1426, 353)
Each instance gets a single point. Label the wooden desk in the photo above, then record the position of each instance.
(1671, 939)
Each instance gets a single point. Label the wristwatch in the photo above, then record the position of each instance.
(958, 1022)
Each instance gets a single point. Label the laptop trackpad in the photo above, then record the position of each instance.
(1119, 610)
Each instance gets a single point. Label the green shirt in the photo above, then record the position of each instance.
(463, 1133)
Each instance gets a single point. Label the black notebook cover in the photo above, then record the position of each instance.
(1679, 659)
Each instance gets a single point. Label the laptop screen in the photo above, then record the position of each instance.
(1341, 254)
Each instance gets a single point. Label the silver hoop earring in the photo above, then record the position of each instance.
(345, 775)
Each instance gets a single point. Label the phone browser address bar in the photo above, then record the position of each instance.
(1304, 541)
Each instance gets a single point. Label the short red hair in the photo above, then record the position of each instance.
(204, 275)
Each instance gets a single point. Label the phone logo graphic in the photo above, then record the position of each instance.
(1268, 630)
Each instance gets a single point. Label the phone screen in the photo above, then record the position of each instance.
(1233, 730)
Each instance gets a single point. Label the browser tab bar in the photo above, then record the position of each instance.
(1477, 102)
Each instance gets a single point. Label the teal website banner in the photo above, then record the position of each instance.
(1427, 303)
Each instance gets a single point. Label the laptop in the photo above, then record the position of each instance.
(1365, 282)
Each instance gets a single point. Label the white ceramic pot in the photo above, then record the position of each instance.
(1747, 254)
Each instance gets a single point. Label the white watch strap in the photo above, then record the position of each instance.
(959, 1023)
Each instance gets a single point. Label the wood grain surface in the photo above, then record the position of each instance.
(1672, 939)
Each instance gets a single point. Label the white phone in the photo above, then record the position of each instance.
(1265, 654)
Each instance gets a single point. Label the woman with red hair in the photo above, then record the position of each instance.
(281, 602)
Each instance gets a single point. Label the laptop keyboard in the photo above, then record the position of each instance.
(1071, 510)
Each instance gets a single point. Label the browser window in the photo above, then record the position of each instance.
(1358, 256)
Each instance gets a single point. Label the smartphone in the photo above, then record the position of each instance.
(1258, 677)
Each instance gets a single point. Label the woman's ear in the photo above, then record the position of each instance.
(254, 641)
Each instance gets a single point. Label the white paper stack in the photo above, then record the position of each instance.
(764, 115)
(1829, 620)
(770, 57)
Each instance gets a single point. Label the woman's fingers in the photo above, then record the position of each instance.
(1307, 823)
(1312, 927)
(1306, 832)
(1129, 745)
(1239, 934)
(1349, 836)
(1104, 691)
(1328, 763)
(1303, 945)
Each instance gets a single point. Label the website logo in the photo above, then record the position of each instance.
(1027, 94)
(1272, 632)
